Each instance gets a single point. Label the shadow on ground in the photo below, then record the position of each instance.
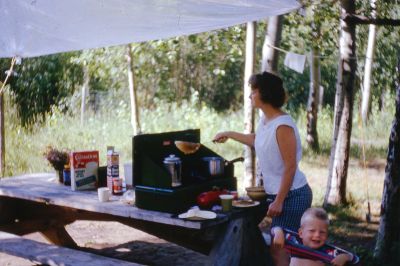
(150, 253)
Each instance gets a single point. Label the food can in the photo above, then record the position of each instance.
(117, 186)
(113, 164)
(112, 168)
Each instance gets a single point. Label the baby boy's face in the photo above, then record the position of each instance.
(314, 233)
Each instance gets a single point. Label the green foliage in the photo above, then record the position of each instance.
(210, 64)
(42, 82)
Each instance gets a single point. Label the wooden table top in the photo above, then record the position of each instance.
(44, 188)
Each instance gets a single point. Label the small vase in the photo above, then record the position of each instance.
(60, 176)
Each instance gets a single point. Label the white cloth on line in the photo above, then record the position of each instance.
(295, 61)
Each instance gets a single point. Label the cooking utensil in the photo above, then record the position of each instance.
(256, 193)
(216, 165)
(245, 203)
(187, 147)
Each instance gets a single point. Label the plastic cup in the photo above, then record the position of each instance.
(104, 194)
(226, 202)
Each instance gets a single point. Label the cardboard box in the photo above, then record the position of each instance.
(84, 169)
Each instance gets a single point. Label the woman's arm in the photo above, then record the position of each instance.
(247, 139)
(287, 147)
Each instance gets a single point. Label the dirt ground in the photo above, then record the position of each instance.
(115, 240)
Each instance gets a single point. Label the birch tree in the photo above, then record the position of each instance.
(84, 91)
(2, 134)
(366, 89)
(315, 81)
(344, 100)
(249, 154)
(270, 55)
(135, 121)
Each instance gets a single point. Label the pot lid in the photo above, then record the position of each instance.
(172, 159)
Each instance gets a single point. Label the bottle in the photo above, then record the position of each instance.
(67, 175)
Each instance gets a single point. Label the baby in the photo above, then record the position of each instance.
(313, 233)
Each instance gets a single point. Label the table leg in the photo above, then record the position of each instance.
(7, 211)
(228, 246)
(59, 236)
(240, 243)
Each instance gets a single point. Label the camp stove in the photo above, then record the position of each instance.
(155, 186)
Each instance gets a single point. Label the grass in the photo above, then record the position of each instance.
(111, 126)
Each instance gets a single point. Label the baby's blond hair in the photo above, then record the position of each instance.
(314, 213)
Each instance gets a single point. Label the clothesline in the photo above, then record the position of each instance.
(315, 56)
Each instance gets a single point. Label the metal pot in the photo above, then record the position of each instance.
(216, 165)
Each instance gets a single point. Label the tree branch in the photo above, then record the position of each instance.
(358, 19)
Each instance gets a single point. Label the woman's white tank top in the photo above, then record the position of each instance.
(269, 157)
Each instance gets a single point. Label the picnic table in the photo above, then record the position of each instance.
(37, 203)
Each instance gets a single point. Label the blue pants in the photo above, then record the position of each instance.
(296, 202)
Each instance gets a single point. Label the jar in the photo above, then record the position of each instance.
(117, 186)
(174, 166)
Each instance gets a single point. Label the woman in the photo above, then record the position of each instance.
(278, 148)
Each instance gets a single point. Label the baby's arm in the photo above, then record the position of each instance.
(279, 237)
(341, 259)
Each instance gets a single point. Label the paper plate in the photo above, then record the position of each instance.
(197, 215)
(244, 203)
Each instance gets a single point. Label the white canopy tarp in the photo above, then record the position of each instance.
(38, 27)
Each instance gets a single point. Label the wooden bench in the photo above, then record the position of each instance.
(52, 255)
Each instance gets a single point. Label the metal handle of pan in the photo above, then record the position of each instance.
(239, 159)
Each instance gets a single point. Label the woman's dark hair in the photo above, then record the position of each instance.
(270, 87)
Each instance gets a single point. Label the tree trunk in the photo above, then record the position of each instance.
(135, 122)
(389, 226)
(313, 99)
(2, 136)
(249, 154)
(314, 94)
(272, 39)
(366, 90)
(85, 92)
(339, 158)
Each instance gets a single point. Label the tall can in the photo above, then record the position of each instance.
(112, 168)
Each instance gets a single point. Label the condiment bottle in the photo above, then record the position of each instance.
(67, 175)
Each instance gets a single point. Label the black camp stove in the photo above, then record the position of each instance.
(153, 182)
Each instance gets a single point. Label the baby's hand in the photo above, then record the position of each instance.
(279, 237)
(266, 222)
(341, 259)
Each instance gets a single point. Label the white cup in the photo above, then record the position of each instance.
(104, 194)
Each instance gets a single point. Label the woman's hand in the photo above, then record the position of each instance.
(275, 209)
(221, 137)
